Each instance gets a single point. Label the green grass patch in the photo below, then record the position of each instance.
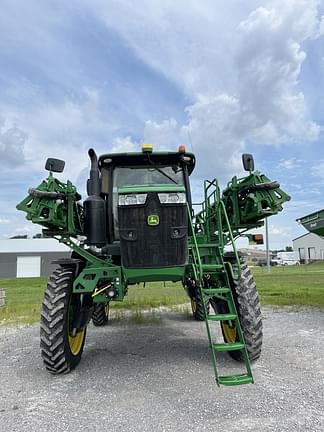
(24, 297)
(23, 300)
(152, 295)
(291, 285)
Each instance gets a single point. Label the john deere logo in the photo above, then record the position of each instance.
(153, 220)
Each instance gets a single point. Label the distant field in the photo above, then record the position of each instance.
(291, 285)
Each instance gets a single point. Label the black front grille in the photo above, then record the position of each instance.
(163, 245)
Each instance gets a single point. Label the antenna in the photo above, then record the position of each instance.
(190, 140)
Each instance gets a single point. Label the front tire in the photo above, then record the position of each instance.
(61, 345)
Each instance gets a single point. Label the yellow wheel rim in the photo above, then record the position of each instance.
(193, 305)
(75, 342)
(229, 333)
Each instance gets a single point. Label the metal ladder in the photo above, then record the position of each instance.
(216, 267)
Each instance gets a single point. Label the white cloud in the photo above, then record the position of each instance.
(65, 130)
(12, 143)
(321, 29)
(124, 144)
(238, 65)
(269, 61)
(241, 71)
(318, 169)
(208, 132)
(185, 40)
(164, 135)
(280, 231)
(291, 163)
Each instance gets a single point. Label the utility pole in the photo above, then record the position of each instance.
(267, 244)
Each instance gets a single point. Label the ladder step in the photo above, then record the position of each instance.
(214, 291)
(222, 317)
(207, 245)
(232, 380)
(222, 347)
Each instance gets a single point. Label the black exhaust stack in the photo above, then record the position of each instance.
(94, 180)
(94, 206)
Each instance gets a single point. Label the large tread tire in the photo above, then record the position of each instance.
(197, 308)
(100, 314)
(196, 304)
(249, 311)
(55, 341)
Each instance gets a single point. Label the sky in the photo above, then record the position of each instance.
(221, 77)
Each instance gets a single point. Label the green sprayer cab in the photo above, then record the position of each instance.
(139, 224)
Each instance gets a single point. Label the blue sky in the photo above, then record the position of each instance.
(221, 77)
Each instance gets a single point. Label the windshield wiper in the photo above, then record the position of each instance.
(165, 174)
(161, 171)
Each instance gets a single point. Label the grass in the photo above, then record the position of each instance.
(290, 285)
(24, 297)
(152, 295)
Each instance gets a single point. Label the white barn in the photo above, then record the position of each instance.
(30, 257)
(310, 247)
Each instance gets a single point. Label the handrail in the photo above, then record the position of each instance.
(208, 212)
(231, 238)
(195, 250)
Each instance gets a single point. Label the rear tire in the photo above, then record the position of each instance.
(197, 308)
(100, 314)
(249, 312)
(61, 349)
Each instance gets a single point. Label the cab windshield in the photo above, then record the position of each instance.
(127, 176)
(148, 175)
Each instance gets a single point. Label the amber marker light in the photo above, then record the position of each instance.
(181, 148)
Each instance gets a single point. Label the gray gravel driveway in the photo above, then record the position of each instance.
(157, 376)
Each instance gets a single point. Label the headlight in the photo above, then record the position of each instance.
(172, 198)
(132, 199)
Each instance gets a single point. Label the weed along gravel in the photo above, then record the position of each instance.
(154, 374)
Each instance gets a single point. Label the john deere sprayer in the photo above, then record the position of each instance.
(138, 224)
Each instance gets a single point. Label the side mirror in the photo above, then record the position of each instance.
(55, 165)
(248, 162)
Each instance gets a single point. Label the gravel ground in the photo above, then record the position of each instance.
(157, 376)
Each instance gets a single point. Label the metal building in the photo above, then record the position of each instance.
(30, 257)
(310, 247)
